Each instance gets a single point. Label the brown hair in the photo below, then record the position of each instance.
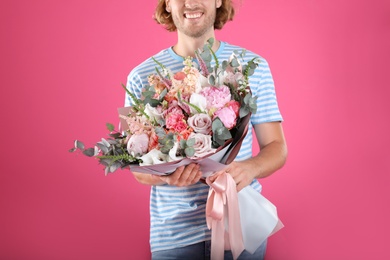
(224, 13)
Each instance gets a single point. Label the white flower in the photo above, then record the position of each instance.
(172, 153)
(202, 145)
(153, 157)
(204, 82)
(201, 123)
(153, 113)
(198, 101)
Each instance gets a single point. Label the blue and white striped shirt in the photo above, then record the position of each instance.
(177, 214)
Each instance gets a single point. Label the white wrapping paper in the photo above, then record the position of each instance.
(259, 218)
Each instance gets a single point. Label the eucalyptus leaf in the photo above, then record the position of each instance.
(79, 145)
(89, 152)
(234, 63)
(211, 42)
(212, 80)
(72, 150)
(96, 151)
(244, 111)
(189, 151)
(104, 141)
(224, 65)
(217, 123)
(102, 147)
(191, 142)
(114, 167)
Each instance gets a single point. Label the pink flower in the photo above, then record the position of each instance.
(153, 140)
(217, 97)
(227, 116)
(179, 75)
(176, 122)
(173, 108)
(202, 145)
(201, 123)
(235, 105)
(138, 144)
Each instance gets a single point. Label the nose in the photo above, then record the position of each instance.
(191, 4)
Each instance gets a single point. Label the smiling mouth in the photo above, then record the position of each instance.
(193, 15)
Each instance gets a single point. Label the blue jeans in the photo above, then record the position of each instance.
(201, 251)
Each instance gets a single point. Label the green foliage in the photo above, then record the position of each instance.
(166, 142)
(186, 147)
(110, 152)
(220, 133)
(249, 105)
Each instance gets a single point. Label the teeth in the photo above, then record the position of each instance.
(192, 16)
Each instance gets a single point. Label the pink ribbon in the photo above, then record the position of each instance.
(223, 199)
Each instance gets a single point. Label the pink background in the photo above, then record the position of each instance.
(62, 63)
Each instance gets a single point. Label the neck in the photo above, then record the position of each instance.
(186, 45)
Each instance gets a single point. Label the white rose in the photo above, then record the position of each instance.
(153, 113)
(138, 144)
(198, 101)
(202, 145)
(201, 123)
(153, 157)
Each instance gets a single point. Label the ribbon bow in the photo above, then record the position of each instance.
(223, 199)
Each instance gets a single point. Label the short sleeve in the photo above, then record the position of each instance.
(262, 86)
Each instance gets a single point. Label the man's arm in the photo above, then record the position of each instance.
(272, 156)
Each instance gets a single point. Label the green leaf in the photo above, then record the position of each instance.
(79, 145)
(104, 141)
(234, 63)
(224, 65)
(90, 152)
(110, 127)
(244, 111)
(220, 132)
(102, 147)
(115, 135)
(191, 142)
(212, 80)
(182, 143)
(72, 150)
(189, 151)
(210, 42)
(217, 123)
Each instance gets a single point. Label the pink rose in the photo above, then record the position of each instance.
(201, 123)
(217, 97)
(202, 145)
(227, 116)
(138, 144)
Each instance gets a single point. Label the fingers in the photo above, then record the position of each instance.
(184, 176)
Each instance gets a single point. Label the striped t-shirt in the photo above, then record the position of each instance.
(177, 214)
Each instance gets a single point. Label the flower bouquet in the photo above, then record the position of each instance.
(183, 117)
(199, 114)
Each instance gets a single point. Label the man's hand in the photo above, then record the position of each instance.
(272, 156)
(183, 176)
(242, 173)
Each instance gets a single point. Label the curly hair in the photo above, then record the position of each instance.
(224, 13)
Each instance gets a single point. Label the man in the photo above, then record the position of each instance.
(178, 225)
